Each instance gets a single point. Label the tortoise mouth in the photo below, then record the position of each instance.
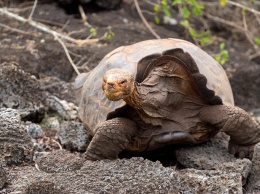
(115, 95)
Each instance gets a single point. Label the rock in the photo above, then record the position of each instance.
(205, 156)
(3, 178)
(66, 110)
(42, 187)
(254, 180)
(51, 123)
(213, 156)
(241, 166)
(35, 114)
(34, 130)
(73, 136)
(208, 181)
(59, 161)
(19, 90)
(16, 146)
(118, 176)
(134, 175)
(61, 89)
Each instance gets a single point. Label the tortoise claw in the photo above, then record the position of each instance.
(241, 151)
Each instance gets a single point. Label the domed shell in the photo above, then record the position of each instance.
(210, 77)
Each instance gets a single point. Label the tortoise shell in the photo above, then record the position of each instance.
(208, 74)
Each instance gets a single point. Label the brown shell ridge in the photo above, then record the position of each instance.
(146, 64)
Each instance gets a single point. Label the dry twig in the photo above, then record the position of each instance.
(83, 16)
(243, 7)
(68, 55)
(33, 9)
(144, 20)
(47, 30)
(17, 30)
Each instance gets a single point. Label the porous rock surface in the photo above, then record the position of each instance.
(205, 156)
(213, 155)
(19, 90)
(16, 145)
(135, 175)
(118, 176)
(3, 178)
(254, 178)
(73, 136)
(59, 161)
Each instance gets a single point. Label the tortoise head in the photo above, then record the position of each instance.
(118, 83)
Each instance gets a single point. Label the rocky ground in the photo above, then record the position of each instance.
(42, 140)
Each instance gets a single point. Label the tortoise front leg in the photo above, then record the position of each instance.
(243, 131)
(111, 138)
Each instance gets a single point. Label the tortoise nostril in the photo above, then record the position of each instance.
(111, 85)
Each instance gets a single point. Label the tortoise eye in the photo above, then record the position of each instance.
(124, 81)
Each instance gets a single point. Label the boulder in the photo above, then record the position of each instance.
(16, 145)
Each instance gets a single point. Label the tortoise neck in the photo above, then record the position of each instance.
(134, 98)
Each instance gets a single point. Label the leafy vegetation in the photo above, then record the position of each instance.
(190, 9)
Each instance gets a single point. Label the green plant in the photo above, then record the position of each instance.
(187, 8)
(164, 7)
(93, 31)
(257, 41)
(223, 55)
(109, 33)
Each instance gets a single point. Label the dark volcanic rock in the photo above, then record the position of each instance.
(73, 136)
(61, 89)
(65, 109)
(134, 175)
(59, 161)
(254, 178)
(19, 90)
(208, 181)
(205, 156)
(16, 146)
(3, 178)
(213, 156)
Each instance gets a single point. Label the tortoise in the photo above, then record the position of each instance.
(156, 93)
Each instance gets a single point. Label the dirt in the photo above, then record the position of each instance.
(37, 53)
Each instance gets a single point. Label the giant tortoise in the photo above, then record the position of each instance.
(159, 92)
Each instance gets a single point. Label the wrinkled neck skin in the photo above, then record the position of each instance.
(134, 98)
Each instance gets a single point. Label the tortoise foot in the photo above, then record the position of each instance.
(241, 151)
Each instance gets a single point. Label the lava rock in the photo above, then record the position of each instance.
(73, 136)
(46, 187)
(16, 145)
(62, 107)
(134, 175)
(61, 89)
(3, 178)
(34, 130)
(205, 156)
(254, 181)
(59, 161)
(208, 181)
(19, 90)
(213, 156)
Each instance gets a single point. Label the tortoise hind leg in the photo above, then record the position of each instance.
(167, 138)
(243, 131)
(111, 138)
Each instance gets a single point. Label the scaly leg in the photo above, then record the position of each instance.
(111, 138)
(243, 131)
